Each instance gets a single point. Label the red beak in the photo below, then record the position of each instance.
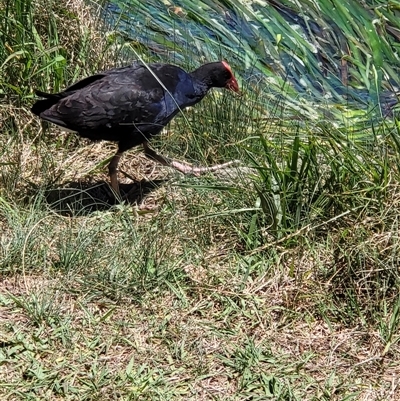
(233, 85)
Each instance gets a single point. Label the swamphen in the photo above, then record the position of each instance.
(131, 104)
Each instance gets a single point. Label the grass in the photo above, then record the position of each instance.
(278, 282)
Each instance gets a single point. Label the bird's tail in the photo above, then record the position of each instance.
(44, 94)
(42, 105)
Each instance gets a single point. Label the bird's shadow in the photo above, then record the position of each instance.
(74, 198)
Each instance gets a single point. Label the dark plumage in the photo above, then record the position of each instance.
(131, 104)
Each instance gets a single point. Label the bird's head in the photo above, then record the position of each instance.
(217, 75)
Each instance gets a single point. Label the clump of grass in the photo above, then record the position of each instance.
(321, 174)
(36, 53)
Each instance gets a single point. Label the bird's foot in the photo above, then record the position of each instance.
(196, 171)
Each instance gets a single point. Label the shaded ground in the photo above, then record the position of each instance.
(78, 197)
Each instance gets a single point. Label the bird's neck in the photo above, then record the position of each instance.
(202, 79)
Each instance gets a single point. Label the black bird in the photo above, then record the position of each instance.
(131, 104)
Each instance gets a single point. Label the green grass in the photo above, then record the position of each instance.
(279, 281)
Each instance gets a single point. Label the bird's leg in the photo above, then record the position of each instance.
(183, 167)
(112, 170)
(152, 154)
